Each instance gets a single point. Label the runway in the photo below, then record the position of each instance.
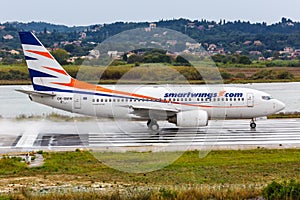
(127, 135)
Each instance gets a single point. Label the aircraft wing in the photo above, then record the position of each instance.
(37, 93)
(146, 112)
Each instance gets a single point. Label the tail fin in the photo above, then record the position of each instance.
(45, 72)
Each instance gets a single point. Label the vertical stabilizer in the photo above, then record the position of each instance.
(45, 72)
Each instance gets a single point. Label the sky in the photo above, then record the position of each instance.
(88, 12)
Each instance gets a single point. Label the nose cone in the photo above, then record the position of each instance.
(279, 106)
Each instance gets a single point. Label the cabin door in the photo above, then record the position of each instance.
(250, 100)
(77, 101)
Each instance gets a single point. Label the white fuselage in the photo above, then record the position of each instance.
(219, 102)
(183, 105)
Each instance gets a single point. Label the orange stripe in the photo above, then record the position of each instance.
(61, 71)
(86, 86)
(41, 53)
(83, 85)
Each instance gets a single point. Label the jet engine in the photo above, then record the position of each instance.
(191, 118)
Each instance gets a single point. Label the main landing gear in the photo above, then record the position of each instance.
(153, 125)
(252, 124)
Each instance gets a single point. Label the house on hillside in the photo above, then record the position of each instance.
(8, 37)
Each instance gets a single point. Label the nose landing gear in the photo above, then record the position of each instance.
(252, 124)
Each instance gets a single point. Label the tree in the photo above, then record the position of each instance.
(245, 60)
(182, 61)
(285, 75)
(61, 56)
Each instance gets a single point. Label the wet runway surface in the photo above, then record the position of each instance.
(108, 135)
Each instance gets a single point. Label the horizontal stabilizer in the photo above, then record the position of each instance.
(36, 93)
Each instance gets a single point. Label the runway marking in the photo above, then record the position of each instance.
(233, 133)
(29, 136)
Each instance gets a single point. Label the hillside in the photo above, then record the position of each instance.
(256, 40)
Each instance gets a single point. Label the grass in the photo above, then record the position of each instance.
(224, 174)
(218, 167)
(228, 166)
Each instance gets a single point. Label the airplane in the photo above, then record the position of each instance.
(184, 106)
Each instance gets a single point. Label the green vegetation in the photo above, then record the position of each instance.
(284, 115)
(271, 75)
(61, 56)
(11, 165)
(285, 190)
(14, 74)
(157, 73)
(232, 36)
(220, 175)
(232, 59)
(273, 191)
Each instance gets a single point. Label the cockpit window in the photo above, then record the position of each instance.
(266, 97)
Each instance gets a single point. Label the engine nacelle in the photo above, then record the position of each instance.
(191, 118)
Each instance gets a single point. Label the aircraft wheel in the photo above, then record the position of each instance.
(253, 125)
(152, 125)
